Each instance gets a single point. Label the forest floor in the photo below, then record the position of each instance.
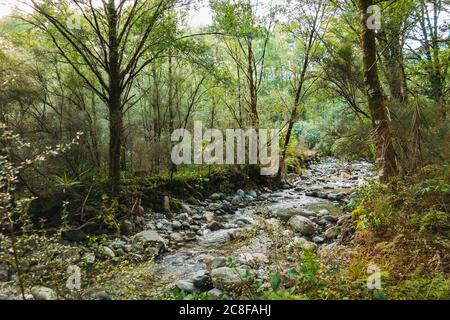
(331, 232)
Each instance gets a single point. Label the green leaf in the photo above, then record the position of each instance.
(292, 273)
(275, 281)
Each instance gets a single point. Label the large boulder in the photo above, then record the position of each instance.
(286, 212)
(302, 225)
(216, 263)
(202, 280)
(186, 286)
(219, 237)
(151, 241)
(227, 278)
(332, 233)
(43, 293)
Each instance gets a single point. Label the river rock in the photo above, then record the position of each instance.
(214, 226)
(151, 241)
(43, 293)
(216, 196)
(186, 286)
(318, 240)
(176, 225)
(216, 293)
(183, 217)
(216, 263)
(202, 280)
(186, 209)
(302, 225)
(216, 237)
(226, 278)
(215, 206)
(330, 218)
(176, 237)
(209, 216)
(286, 212)
(332, 233)
(236, 200)
(107, 252)
(303, 243)
(252, 193)
(240, 193)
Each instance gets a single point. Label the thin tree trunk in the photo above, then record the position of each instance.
(114, 102)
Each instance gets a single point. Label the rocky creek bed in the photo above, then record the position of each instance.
(213, 246)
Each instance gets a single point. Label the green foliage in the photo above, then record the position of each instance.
(65, 181)
(109, 212)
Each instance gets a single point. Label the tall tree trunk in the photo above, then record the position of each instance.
(114, 101)
(172, 166)
(252, 74)
(298, 93)
(386, 159)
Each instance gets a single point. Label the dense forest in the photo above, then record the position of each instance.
(97, 97)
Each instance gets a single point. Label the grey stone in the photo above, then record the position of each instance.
(176, 225)
(99, 295)
(318, 239)
(216, 237)
(226, 278)
(236, 200)
(215, 206)
(186, 286)
(151, 241)
(209, 216)
(330, 218)
(286, 212)
(214, 226)
(176, 237)
(216, 196)
(183, 217)
(107, 252)
(216, 263)
(240, 193)
(216, 293)
(252, 193)
(302, 225)
(332, 233)
(202, 280)
(43, 293)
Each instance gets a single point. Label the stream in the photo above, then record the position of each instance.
(308, 212)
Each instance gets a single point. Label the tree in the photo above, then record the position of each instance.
(433, 42)
(246, 39)
(307, 26)
(386, 159)
(112, 41)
